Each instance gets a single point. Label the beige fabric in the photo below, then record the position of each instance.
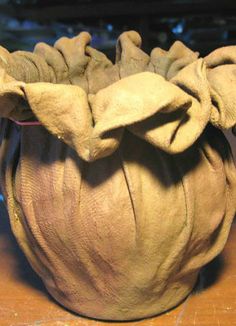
(127, 189)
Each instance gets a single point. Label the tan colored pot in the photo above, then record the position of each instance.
(127, 188)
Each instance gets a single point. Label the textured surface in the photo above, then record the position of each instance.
(24, 300)
(137, 191)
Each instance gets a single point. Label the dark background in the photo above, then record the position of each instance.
(202, 25)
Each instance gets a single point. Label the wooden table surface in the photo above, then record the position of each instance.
(24, 300)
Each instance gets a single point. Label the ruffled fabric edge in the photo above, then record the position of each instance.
(166, 99)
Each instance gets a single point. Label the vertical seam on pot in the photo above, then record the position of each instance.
(189, 212)
(130, 191)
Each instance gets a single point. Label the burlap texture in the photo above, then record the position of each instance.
(127, 188)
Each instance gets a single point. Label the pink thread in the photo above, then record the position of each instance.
(27, 123)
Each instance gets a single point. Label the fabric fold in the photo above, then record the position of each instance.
(86, 101)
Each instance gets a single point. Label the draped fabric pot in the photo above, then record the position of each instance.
(125, 187)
